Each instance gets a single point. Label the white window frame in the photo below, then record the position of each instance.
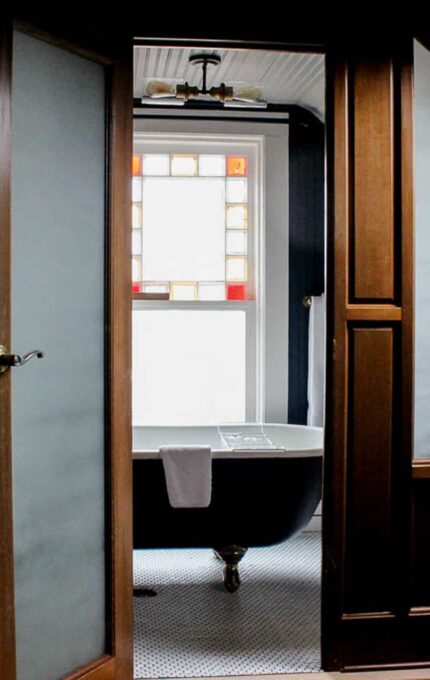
(253, 147)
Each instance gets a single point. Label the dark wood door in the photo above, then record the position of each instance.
(43, 520)
(375, 599)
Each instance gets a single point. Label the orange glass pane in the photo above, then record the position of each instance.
(137, 165)
(237, 166)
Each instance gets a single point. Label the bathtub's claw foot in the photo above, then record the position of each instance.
(231, 555)
(231, 577)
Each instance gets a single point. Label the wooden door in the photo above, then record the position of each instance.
(65, 421)
(376, 517)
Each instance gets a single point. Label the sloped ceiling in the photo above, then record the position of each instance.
(283, 77)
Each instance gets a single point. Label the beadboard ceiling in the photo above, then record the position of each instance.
(288, 78)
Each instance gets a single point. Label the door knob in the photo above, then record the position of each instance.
(307, 301)
(9, 360)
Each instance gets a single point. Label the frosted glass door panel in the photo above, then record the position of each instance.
(188, 367)
(58, 156)
(422, 249)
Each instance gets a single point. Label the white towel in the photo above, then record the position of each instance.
(317, 349)
(188, 472)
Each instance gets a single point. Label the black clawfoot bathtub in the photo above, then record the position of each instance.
(259, 497)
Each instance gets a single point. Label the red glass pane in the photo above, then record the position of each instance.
(237, 166)
(236, 291)
(135, 287)
(137, 165)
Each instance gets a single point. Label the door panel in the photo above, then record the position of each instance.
(371, 522)
(65, 419)
(58, 303)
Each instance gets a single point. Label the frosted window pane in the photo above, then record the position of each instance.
(184, 165)
(236, 268)
(136, 242)
(236, 242)
(237, 217)
(136, 213)
(136, 269)
(155, 288)
(211, 291)
(183, 229)
(212, 166)
(183, 291)
(188, 367)
(137, 189)
(236, 191)
(156, 164)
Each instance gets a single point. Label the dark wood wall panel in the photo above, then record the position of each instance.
(420, 563)
(374, 247)
(368, 556)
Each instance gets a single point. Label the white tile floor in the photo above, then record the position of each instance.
(194, 627)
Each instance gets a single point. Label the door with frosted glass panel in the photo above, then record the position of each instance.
(60, 417)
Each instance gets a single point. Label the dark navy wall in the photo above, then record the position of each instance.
(306, 250)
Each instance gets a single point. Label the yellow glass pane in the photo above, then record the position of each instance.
(236, 268)
(237, 166)
(184, 165)
(237, 216)
(137, 165)
(136, 216)
(183, 291)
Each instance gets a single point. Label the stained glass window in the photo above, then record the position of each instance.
(237, 166)
(190, 226)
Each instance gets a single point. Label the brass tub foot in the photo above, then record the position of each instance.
(231, 556)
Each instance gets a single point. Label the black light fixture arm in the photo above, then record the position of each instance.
(222, 92)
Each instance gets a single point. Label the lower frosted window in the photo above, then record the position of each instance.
(189, 367)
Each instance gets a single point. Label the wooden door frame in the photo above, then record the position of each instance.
(339, 313)
(118, 660)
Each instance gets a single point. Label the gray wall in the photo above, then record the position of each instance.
(58, 411)
(422, 249)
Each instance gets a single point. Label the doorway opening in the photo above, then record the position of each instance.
(228, 238)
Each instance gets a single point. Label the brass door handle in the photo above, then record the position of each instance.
(14, 360)
(307, 301)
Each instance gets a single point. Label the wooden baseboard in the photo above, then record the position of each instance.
(102, 668)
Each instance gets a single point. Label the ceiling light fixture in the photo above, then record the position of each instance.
(168, 93)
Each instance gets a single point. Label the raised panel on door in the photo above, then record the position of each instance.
(374, 511)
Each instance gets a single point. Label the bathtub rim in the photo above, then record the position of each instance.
(226, 453)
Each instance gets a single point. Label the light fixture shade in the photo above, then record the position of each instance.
(160, 88)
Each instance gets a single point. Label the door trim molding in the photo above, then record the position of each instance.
(7, 618)
(118, 354)
(100, 669)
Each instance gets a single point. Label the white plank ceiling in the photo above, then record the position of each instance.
(283, 77)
